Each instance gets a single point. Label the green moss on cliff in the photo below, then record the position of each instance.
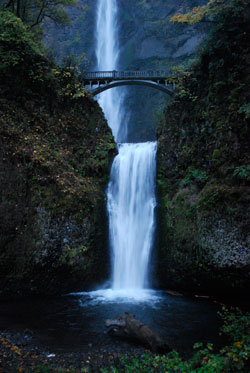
(203, 150)
(55, 154)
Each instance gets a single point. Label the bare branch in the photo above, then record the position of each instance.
(9, 3)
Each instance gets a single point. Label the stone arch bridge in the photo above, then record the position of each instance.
(100, 81)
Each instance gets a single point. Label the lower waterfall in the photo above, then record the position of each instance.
(131, 203)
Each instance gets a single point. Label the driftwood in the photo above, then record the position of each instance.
(127, 326)
(174, 293)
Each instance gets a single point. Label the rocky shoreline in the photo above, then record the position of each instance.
(20, 353)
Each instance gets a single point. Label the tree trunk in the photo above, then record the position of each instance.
(128, 326)
(18, 7)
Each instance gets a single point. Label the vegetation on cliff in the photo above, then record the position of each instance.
(203, 164)
(34, 12)
(55, 156)
(206, 12)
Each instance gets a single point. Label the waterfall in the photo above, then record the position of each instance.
(131, 203)
(107, 53)
(131, 192)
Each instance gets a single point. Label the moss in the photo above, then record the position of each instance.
(72, 255)
(222, 197)
(216, 154)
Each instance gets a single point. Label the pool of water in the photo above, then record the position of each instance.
(75, 322)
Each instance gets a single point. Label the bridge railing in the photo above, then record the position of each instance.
(95, 75)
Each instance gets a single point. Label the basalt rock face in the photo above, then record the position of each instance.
(145, 32)
(203, 167)
(148, 36)
(204, 249)
(147, 39)
(76, 40)
(150, 41)
(55, 155)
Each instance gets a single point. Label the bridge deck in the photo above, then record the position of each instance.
(158, 79)
(153, 75)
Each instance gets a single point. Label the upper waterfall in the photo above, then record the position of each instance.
(107, 55)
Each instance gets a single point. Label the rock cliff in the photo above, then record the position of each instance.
(203, 166)
(55, 154)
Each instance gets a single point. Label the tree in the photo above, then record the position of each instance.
(33, 12)
(16, 42)
(200, 13)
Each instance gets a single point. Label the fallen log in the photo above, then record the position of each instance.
(174, 293)
(128, 326)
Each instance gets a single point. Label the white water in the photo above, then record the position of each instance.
(131, 192)
(131, 203)
(107, 54)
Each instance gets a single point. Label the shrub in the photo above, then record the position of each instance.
(232, 358)
(193, 175)
(242, 173)
(15, 41)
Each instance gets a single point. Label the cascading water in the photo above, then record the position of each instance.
(107, 53)
(131, 203)
(131, 192)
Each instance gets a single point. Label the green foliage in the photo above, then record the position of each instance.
(193, 175)
(218, 196)
(71, 256)
(236, 324)
(245, 109)
(76, 63)
(33, 12)
(216, 153)
(232, 358)
(242, 173)
(49, 368)
(15, 41)
(23, 66)
(200, 13)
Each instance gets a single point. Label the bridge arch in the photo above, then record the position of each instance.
(118, 83)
